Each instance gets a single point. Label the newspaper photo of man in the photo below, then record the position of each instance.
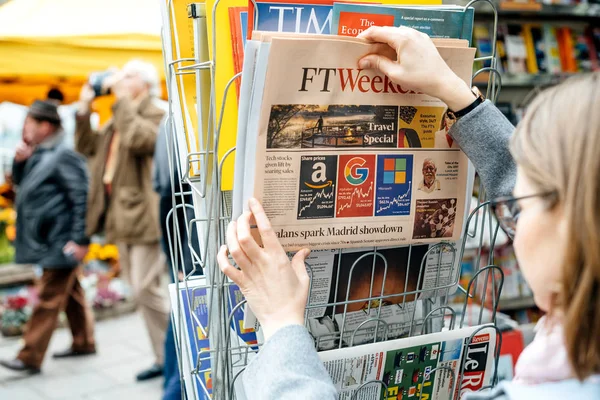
(429, 184)
(320, 124)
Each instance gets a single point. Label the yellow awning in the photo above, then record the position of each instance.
(71, 38)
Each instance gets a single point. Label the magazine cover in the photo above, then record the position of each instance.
(407, 366)
(191, 311)
(219, 28)
(438, 22)
(297, 16)
(342, 157)
(190, 327)
(302, 16)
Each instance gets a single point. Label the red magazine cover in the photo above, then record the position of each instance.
(238, 18)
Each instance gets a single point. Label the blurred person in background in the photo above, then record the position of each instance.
(52, 186)
(122, 203)
(163, 173)
(171, 230)
(55, 96)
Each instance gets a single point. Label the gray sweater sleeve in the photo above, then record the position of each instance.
(288, 367)
(484, 135)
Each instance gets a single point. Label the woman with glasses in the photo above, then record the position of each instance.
(545, 179)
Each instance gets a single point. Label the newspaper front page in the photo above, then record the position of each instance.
(408, 366)
(373, 291)
(346, 158)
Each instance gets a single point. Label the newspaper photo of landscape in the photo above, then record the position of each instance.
(310, 126)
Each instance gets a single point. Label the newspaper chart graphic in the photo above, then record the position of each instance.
(357, 195)
(394, 185)
(356, 179)
(396, 201)
(318, 181)
(323, 194)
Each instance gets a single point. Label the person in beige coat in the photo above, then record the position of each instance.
(121, 201)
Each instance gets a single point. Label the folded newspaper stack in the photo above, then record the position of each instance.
(441, 366)
(342, 157)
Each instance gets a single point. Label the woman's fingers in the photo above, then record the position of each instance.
(244, 237)
(229, 270)
(235, 249)
(383, 49)
(393, 36)
(298, 263)
(381, 63)
(269, 238)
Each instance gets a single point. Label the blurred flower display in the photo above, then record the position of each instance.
(8, 218)
(102, 284)
(15, 314)
(107, 253)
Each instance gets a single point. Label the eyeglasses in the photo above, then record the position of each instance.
(507, 211)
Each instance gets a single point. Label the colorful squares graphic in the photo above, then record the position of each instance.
(394, 171)
(388, 164)
(397, 165)
(400, 164)
(400, 177)
(388, 177)
(394, 184)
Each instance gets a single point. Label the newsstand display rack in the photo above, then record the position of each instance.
(207, 215)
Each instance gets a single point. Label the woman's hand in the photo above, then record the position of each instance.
(275, 288)
(23, 151)
(86, 97)
(417, 65)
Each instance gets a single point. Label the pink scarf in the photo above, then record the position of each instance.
(545, 359)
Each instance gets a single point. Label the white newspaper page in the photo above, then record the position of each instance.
(376, 284)
(345, 158)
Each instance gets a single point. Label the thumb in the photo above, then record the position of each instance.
(298, 263)
(379, 62)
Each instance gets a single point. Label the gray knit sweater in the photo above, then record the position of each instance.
(288, 366)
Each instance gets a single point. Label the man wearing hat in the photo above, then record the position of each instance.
(52, 186)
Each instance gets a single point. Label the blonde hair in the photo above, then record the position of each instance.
(557, 147)
(148, 73)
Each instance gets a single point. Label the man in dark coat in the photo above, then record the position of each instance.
(52, 186)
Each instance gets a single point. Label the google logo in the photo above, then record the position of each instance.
(354, 174)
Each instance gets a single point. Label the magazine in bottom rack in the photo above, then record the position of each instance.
(415, 367)
(192, 336)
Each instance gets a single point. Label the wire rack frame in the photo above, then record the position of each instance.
(425, 307)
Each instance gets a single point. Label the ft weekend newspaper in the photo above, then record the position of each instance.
(342, 157)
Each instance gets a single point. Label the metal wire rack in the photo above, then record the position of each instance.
(428, 299)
